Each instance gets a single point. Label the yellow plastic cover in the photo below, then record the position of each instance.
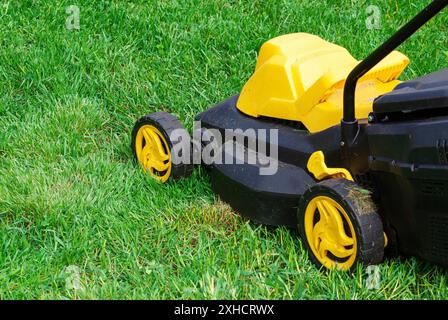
(301, 77)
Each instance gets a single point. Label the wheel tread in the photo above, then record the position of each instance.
(368, 225)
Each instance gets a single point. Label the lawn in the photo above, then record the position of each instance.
(79, 220)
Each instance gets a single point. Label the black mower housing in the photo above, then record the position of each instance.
(402, 159)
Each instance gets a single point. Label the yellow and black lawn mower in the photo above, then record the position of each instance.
(353, 157)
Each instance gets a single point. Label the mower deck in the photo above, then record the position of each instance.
(267, 199)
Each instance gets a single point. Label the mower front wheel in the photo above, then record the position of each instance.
(153, 138)
(340, 226)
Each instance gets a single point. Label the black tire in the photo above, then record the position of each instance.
(166, 123)
(362, 212)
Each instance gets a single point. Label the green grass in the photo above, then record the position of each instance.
(70, 194)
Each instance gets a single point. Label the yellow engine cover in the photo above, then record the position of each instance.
(301, 77)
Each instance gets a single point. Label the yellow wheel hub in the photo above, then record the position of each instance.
(153, 152)
(330, 233)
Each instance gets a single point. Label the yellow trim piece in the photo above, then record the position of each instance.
(386, 240)
(153, 152)
(333, 233)
(316, 165)
(301, 77)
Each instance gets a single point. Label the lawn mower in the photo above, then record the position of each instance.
(361, 158)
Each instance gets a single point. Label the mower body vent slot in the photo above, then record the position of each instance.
(439, 237)
(434, 188)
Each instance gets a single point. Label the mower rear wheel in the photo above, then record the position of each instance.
(152, 144)
(340, 226)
